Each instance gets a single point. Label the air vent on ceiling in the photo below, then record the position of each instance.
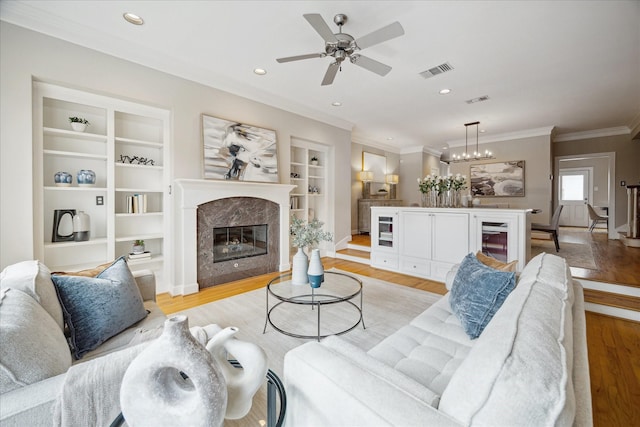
(478, 99)
(442, 68)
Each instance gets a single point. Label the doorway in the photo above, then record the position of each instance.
(575, 190)
(602, 189)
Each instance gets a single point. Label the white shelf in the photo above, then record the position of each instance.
(139, 237)
(74, 134)
(137, 215)
(75, 188)
(73, 154)
(137, 166)
(92, 242)
(139, 142)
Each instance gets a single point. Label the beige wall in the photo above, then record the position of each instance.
(25, 55)
(627, 163)
(535, 151)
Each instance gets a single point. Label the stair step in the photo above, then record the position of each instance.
(357, 247)
(629, 241)
(362, 257)
(626, 302)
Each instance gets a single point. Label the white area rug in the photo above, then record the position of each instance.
(386, 308)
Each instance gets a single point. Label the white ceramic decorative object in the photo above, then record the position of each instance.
(299, 268)
(242, 384)
(78, 127)
(154, 393)
(81, 227)
(316, 270)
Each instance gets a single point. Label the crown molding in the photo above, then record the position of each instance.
(509, 136)
(597, 133)
(375, 144)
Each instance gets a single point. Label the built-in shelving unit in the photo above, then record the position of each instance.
(127, 146)
(310, 198)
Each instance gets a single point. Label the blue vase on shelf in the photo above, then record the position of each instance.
(63, 179)
(86, 177)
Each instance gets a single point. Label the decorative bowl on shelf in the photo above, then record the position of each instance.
(86, 178)
(63, 179)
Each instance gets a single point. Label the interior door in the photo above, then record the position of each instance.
(574, 193)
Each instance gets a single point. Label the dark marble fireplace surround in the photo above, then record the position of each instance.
(235, 212)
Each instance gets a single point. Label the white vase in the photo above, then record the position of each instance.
(316, 270)
(81, 227)
(243, 383)
(299, 269)
(155, 393)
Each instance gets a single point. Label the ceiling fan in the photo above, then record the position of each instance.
(342, 46)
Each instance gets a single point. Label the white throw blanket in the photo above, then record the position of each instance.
(90, 395)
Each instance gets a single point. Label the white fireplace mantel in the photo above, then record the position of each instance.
(193, 192)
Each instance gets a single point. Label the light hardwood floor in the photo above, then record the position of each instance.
(614, 344)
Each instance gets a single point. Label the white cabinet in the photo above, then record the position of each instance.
(384, 238)
(427, 242)
(127, 146)
(432, 242)
(502, 235)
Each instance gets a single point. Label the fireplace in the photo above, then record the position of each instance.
(235, 239)
(247, 241)
(195, 249)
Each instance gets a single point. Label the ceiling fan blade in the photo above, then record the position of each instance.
(382, 35)
(370, 64)
(300, 57)
(330, 74)
(321, 27)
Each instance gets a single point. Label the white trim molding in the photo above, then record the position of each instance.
(509, 136)
(589, 134)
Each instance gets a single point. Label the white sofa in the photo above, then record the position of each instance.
(528, 367)
(30, 298)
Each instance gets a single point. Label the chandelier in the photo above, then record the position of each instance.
(477, 155)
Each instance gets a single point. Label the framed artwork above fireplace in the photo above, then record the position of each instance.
(238, 152)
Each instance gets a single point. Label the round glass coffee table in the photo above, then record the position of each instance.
(337, 289)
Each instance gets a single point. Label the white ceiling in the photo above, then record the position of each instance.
(574, 65)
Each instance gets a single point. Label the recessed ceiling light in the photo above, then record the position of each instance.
(389, 138)
(337, 104)
(445, 148)
(133, 18)
(482, 131)
(260, 71)
(444, 91)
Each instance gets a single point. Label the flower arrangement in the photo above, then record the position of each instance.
(442, 183)
(308, 234)
(458, 182)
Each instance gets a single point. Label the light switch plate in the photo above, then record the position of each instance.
(623, 183)
(99, 200)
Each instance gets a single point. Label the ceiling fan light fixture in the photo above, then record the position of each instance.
(132, 18)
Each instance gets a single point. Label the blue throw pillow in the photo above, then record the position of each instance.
(478, 291)
(95, 309)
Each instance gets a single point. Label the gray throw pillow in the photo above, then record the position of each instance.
(477, 293)
(32, 346)
(95, 309)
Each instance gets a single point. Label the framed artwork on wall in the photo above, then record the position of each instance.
(238, 152)
(501, 179)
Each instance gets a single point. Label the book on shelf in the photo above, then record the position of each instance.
(143, 255)
(137, 203)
